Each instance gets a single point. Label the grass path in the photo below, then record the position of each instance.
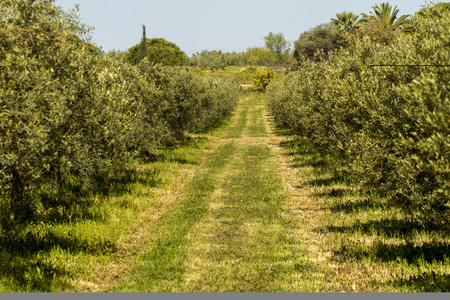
(239, 226)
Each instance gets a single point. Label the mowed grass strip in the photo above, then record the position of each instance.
(249, 240)
(257, 126)
(161, 266)
(244, 244)
(237, 130)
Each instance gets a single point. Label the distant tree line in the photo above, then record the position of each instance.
(277, 52)
(383, 25)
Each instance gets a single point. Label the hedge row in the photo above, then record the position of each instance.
(69, 111)
(386, 125)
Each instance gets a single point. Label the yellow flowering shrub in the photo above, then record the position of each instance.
(261, 78)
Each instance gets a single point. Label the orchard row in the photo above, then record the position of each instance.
(68, 111)
(381, 112)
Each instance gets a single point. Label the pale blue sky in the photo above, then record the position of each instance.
(227, 25)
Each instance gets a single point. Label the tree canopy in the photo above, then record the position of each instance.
(260, 57)
(383, 24)
(386, 15)
(158, 51)
(345, 21)
(276, 43)
(323, 37)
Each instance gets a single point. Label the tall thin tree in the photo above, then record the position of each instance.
(142, 51)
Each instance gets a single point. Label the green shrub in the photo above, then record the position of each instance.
(323, 38)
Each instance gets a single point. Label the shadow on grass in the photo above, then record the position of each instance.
(24, 260)
(352, 205)
(294, 146)
(386, 227)
(120, 181)
(168, 151)
(77, 201)
(435, 251)
(429, 252)
(31, 243)
(427, 282)
(185, 141)
(305, 156)
(31, 276)
(335, 179)
(413, 255)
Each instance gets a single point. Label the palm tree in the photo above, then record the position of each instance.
(346, 21)
(385, 16)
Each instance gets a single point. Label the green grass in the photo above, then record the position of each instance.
(257, 127)
(238, 129)
(161, 268)
(248, 242)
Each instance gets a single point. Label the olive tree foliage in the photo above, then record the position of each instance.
(190, 102)
(387, 126)
(65, 110)
(422, 168)
(39, 46)
(258, 56)
(68, 111)
(254, 56)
